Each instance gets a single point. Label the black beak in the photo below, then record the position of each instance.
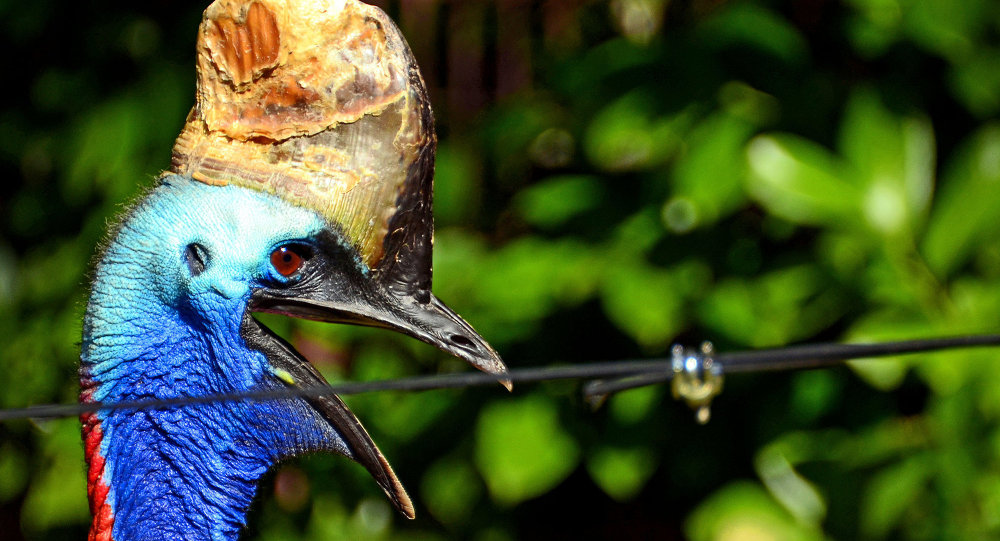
(291, 368)
(333, 287)
(432, 322)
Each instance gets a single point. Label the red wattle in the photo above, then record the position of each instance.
(97, 490)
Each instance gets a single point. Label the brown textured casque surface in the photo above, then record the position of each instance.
(317, 101)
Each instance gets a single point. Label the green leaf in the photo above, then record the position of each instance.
(775, 464)
(525, 279)
(890, 494)
(555, 200)
(55, 497)
(771, 310)
(749, 25)
(813, 394)
(624, 137)
(946, 27)
(709, 176)
(802, 182)
(8, 278)
(632, 406)
(621, 472)
(450, 490)
(644, 301)
(521, 449)
(13, 472)
(505, 291)
(938, 370)
(976, 81)
(405, 416)
(893, 159)
(742, 511)
(964, 213)
(875, 25)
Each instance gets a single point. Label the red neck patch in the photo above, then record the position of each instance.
(97, 490)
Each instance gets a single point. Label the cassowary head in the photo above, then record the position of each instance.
(300, 185)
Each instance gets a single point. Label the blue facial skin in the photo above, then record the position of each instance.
(160, 326)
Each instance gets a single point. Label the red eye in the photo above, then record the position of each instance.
(286, 260)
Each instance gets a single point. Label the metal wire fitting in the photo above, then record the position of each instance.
(697, 378)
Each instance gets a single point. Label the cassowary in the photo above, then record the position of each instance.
(300, 185)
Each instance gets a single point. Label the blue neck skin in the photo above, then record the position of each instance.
(155, 328)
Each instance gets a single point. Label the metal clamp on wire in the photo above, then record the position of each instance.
(697, 378)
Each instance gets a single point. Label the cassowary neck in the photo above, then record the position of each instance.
(175, 473)
(179, 472)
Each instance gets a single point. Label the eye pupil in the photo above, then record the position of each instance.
(286, 260)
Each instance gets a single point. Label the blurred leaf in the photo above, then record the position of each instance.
(521, 449)
(512, 130)
(450, 489)
(709, 176)
(644, 302)
(639, 20)
(635, 235)
(964, 216)
(13, 472)
(890, 495)
(814, 393)
(106, 144)
(748, 104)
(607, 61)
(885, 372)
(8, 276)
(621, 472)
(543, 273)
(976, 81)
(941, 28)
(772, 310)
(515, 285)
(404, 415)
(894, 159)
(555, 200)
(879, 443)
(744, 24)
(625, 136)
(883, 179)
(742, 511)
(632, 406)
(875, 26)
(494, 534)
(800, 181)
(330, 520)
(775, 464)
(55, 497)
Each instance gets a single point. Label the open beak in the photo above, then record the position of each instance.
(339, 294)
(295, 370)
(335, 291)
(432, 322)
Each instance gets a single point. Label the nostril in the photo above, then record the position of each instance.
(461, 341)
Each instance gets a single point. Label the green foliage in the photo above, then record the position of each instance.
(751, 172)
(521, 449)
(744, 511)
(621, 472)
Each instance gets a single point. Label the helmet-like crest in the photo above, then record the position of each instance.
(319, 102)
